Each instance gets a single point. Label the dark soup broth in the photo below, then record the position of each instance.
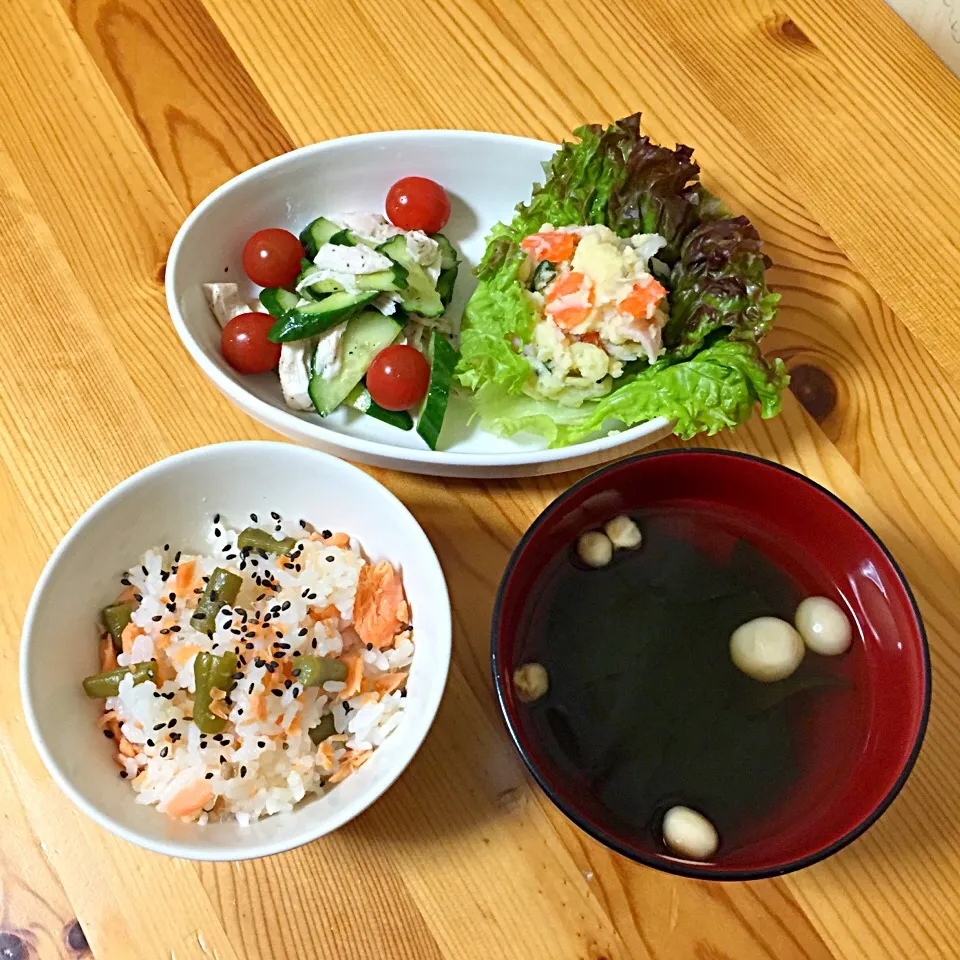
(645, 708)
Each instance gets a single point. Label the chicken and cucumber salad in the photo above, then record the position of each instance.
(353, 311)
(622, 291)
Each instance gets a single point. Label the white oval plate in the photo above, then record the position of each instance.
(486, 175)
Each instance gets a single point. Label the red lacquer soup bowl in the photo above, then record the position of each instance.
(854, 749)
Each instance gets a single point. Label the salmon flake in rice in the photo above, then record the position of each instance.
(256, 754)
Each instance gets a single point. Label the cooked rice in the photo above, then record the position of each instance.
(255, 767)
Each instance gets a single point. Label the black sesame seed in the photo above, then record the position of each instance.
(144, 569)
(274, 514)
(197, 590)
(150, 743)
(277, 693)
(125, 581)
(203, 744)
(172, 723)
(164, 751)
(280, 654)
(231, 556)
(296, 653)
(259, 662)
(216, 518)
(272, 666)
(239, 711)
(286, 746)
(329, 559)
(243, 771)
(285, 605)
(208, 776)
(213, 596)
(288, 684)
(303, 632)
(303, 524)
(250, 646)
(171, 607)
(176, 558)
(216, 532)
(312, 596)
(174, 737)
(297, 567)
(369, 646)
(238, 675)
(166, 547)
(313, 643)
(169, 696)
(175, 628)
(346, 708)
(159, 726)
(296, 692)
(223, 759)
(280, 637)
(157, 694)
(261, 744)
(138, 597)
(157, 618)
(123, 774)
(164, 575)
(326, 534)
(295, 672)
(108, 734)
(252, 687)
(278, 528)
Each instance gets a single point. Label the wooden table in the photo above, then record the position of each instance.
(827, 121)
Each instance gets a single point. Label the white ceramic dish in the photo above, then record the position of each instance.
(486, 176)
(170, 502)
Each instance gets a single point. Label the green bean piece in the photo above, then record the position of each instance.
(211, 671)
(222, 588)
(325, 728)
(315, 671)
(255, 539)
(102, 685)
(115, 618)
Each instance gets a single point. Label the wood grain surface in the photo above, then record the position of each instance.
(826, 121)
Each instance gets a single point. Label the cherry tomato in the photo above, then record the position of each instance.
(272, 257)
(398, 377)
(245, 346)
(416, 203)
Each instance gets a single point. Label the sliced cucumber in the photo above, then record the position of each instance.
(446, 283)
(278, 301)
(543, 276)
(393, 280)
(361, 400)
(443, 360)
(421, 295)
(316, 234)
(313, 318)
(365, 336)
(448, 253)
(343, 238)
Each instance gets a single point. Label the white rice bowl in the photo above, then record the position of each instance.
(256, 766)
(172, 503)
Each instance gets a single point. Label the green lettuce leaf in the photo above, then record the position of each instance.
(497, 321)
(615, 177)
(715, 389)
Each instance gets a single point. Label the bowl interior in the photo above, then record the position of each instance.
(172, 502)
(825, 549)
(486, 175)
